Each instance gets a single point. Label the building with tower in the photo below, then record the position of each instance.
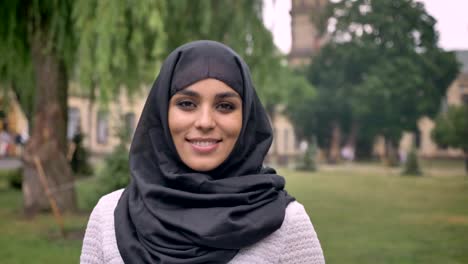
(306, 38)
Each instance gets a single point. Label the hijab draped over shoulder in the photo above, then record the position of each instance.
(172, 214)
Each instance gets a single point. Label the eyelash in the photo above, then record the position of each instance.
(224, 107)
(186, 105)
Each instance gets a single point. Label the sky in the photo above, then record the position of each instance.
(451, 16)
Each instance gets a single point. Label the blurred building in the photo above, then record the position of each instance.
(306, 37)
(100, 124)
(284, 150)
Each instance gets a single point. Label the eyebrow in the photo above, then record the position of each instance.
(222, 95)
(227, 95)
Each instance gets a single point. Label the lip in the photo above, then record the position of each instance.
(205, 148)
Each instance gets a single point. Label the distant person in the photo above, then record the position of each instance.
(347, 153)
(199, 192)
(403, 155)
(5, 143)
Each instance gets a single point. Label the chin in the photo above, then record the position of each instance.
(202, 168)
(203, 165)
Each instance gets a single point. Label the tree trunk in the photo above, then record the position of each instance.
(391, 155)
(465, 153)
(48, 139)
(334, 153)
(352, 138)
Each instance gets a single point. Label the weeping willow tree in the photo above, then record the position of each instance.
(106, 46)
(38, 43)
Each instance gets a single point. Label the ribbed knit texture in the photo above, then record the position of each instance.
(295, 242)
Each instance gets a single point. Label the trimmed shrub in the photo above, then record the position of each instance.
(309, 162)
(412, 164)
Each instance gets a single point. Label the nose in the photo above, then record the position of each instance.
(205, 120)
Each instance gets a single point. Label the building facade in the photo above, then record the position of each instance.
(306, 39)
(100, 124)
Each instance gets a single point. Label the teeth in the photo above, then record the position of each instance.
(203, 143)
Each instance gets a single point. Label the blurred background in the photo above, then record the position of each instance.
(368, 100)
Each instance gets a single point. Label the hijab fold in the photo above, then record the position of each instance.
(171, 214)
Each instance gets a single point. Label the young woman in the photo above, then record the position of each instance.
(198, 190)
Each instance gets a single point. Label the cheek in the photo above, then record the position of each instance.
(178, 123)
(233, 125)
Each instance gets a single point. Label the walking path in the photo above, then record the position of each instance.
(10, 163)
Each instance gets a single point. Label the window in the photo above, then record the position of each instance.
(73, 122)
(102, 132)
(130, 123)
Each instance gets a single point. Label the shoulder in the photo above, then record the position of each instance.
(99, 243)
(295, 215)
(294, 242)
(110, 199)
(103, 212)
(294, 208)
(106, 205)
(300, 241)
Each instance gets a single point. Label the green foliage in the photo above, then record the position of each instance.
(412, 164)
(20, 22)
(121, 44)
(452, 128)
(115, 173)
(13, 177)
(298, 95)
(109, 45)
(382, 67)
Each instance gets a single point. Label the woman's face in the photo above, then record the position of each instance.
(205, 120)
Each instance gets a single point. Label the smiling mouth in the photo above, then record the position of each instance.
(204, 146)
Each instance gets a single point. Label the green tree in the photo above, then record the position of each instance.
(298, 96)
(100, 44)
(38, 42)
(382, 68)
(106, 46)
(452, 129)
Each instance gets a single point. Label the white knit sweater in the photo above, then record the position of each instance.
(295, 242)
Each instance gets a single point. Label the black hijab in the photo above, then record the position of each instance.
(172, 214)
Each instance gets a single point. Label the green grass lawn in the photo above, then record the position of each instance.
(374, 215)
(362, 214)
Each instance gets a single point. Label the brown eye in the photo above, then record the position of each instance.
(186, 105)
(226, 107)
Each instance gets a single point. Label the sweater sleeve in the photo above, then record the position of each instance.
(92, 250)
(301, 244)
